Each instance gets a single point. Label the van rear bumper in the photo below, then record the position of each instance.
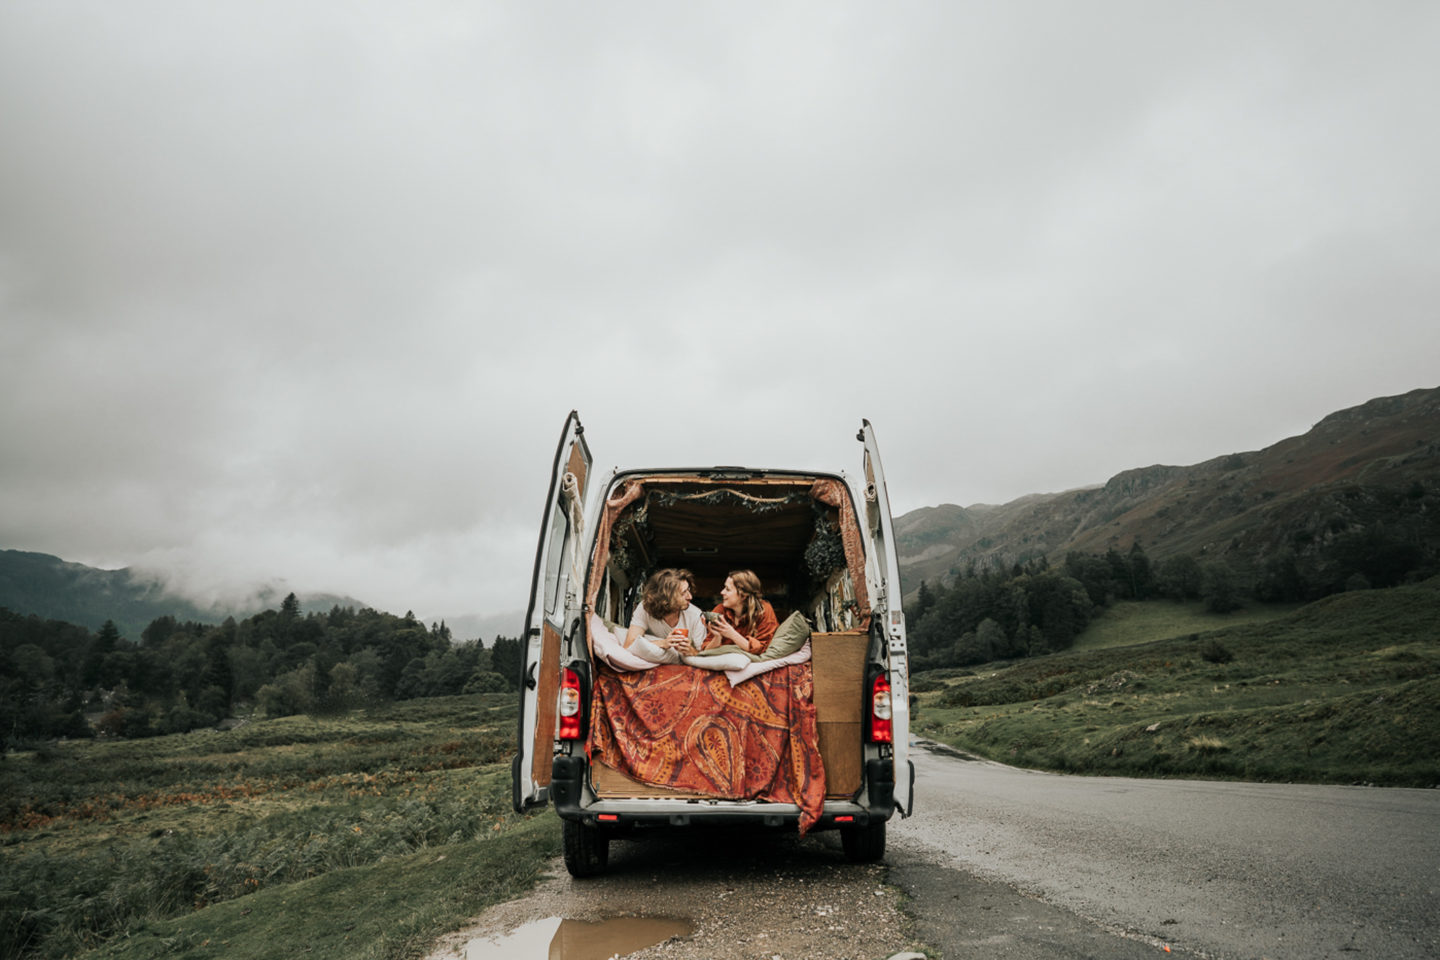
(568, 792)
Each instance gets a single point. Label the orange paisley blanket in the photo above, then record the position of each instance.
(676, 726)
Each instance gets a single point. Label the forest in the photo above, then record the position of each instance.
(1034, 609)
(61, 680)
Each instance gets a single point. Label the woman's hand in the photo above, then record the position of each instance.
(729, 634)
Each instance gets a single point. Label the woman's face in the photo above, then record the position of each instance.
(684, 594)
(729, 596)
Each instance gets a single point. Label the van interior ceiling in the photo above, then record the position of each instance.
(790, 532)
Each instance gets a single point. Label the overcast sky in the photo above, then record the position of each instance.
(306, 290)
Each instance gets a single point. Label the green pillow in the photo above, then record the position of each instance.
(789, 637)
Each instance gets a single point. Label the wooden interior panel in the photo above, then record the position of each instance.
(608, 782)
(732, 532)
(839, 664)
(547, 675)
(840, 750)
(576, 463)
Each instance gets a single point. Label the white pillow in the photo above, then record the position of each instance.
(609, 649)
(720, 661)
(647, 649)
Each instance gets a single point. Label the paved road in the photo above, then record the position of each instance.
(1227, 870)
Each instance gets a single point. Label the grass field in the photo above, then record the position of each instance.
(1345, 690)
(1129, 622)
(364, 836)
(368, 836)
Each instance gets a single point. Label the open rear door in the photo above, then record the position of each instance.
(882, 534)
(554, 589)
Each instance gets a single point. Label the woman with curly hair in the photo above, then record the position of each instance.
(666, 617)
(746, 618)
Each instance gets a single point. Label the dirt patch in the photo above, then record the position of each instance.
(750, 896)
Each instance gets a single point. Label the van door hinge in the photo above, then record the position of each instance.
(896, 631)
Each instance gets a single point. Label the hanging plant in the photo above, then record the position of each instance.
(751, 502)
(826, 551)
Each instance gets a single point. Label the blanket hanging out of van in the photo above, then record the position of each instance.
(688, 729)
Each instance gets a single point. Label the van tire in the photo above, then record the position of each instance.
(587, 849)
(864, 844)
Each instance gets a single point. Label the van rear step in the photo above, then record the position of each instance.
(567, 787)
(736, 818)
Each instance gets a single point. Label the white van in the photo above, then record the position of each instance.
(823, 547)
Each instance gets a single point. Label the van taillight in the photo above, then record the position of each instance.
(881, 730)
(568, 705)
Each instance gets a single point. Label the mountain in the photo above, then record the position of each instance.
(1364, 480)
(52, 588)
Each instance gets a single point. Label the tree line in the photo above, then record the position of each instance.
(1034, 608)
(61, 680)
(1355, 538)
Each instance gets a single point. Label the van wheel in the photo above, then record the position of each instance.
(587, 849)
(864, 844)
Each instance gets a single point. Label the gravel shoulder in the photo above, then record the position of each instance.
(750, 896)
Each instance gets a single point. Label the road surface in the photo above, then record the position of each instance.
(1218, 869)
(1006, 864)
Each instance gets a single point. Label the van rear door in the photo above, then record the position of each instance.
(554, 586)
(882, 535)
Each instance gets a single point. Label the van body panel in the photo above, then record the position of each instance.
(821, 543)
(554, 585)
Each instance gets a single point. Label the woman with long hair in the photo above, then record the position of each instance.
(746, 618)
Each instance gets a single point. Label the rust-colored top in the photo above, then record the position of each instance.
(762, 633)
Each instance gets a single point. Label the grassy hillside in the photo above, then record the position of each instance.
(362, 836)
(1344, 690)
(1127, 623)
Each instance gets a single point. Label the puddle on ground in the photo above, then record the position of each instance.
(555, 938)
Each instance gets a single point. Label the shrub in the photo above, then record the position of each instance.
(291, 693)
(183, 719)
(989, 693)
(486, 681)
(1213, 651)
